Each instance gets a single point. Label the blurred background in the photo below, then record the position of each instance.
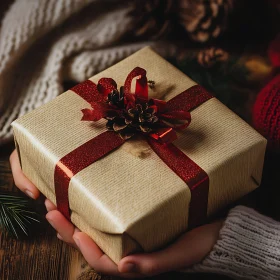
(229, 46)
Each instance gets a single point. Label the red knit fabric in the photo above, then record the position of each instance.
(266, 112)
(274, 51)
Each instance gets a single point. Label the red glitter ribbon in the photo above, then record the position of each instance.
(194, 176)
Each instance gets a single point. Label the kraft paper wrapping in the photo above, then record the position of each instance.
(128, 203)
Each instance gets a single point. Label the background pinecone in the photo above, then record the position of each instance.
(211, 56)
(154, 18)
(204, 20)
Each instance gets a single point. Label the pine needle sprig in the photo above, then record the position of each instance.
(16, 216)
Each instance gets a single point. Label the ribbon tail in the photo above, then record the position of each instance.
(193, 175)
(79, 159)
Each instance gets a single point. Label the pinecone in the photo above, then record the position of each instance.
(204, 20)
(140, 118)
(154, 18)
(209, 57)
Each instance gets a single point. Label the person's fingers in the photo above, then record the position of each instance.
(96, 258)
(189, 249)
(61, 238)
(20, 180)
(64, 228)
(49, 205)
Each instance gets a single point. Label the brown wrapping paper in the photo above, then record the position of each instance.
(126, 202)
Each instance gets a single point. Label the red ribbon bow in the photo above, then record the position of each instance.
(168, 118)
(160, 141)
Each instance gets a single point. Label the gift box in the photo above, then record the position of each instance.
(139, 191)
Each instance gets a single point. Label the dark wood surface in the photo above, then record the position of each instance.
(42, 256)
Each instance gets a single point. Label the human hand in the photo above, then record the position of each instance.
(20, 180)
(187, 250)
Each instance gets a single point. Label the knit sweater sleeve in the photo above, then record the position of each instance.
(248, 247)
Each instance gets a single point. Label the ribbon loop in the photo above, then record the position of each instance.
(161, 105)
(141, 89)
(106, 85)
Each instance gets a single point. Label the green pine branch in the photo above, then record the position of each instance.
(15, 215)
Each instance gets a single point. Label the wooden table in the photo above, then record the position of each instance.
(42, 256)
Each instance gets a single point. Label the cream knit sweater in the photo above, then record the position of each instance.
(248, 247)
(44, 43)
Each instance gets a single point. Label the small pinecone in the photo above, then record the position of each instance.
(204, 20)
(116, 98)
(209, 57)
(154, 18)
(140, 118)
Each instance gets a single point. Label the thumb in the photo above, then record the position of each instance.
(189, 249)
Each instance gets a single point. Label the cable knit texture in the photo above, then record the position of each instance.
(248, 247)
(266, 112)
(44, 43)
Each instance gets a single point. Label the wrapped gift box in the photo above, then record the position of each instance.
(130, 200)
